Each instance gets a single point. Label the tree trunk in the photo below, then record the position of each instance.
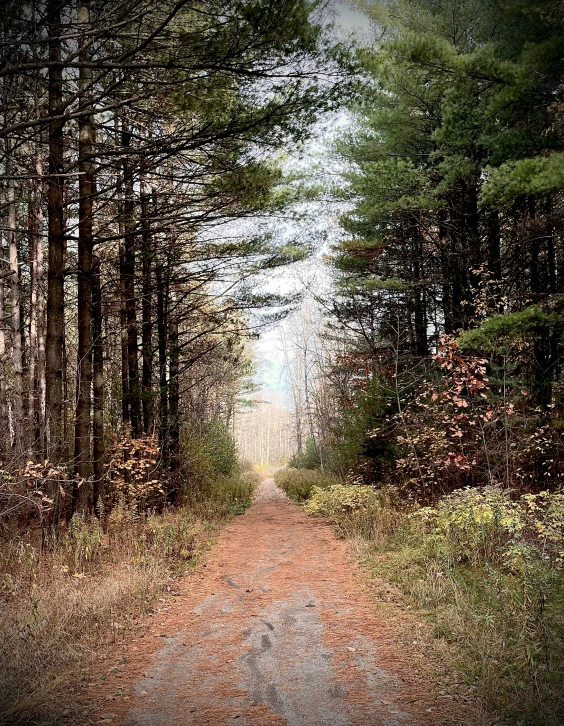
(82, 429)
(4, 424)
(162, 327)
(494, 245)
(134, 392)
(147, 333)
(419, 316)
(15, 303)
(446, 273)
(32, 243)
(174, 396)
(550, 250)
(537, 289)
(125, 420)
(56, 240)
(36, 314)
(98, 391)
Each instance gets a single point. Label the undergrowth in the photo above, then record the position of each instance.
(60, 602)
(299, 483)
(485, 570)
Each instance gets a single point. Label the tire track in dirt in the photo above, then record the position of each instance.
(275, 630)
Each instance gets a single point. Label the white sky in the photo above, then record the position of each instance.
(351, 20)
(270, 376)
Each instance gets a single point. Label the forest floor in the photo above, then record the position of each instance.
(277, 626)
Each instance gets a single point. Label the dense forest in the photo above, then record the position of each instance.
(140, 156)
(137, 138)
(446, 317)
(145, 203)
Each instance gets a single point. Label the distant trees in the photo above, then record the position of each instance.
(308, 356)
(132, 133)
(263, 430)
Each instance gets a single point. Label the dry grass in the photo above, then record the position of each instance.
(504, 629)
(298, 483)
(59, 605)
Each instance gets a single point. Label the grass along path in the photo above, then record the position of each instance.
(274, 628)
(67, 607)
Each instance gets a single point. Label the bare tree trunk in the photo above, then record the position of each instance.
(36, 313)
(40, 368)
(174, 395)
(55, 279)
(268, 438)
(307, 401)
(129, 285)
(294, 381)
(4, 425)
(420, 319)
(162, 327)
(147, 333)
(85, 248)
(125, 420)
(15, 303)
(33, 242)
(98, 391)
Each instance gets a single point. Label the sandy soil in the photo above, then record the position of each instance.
(273, 629)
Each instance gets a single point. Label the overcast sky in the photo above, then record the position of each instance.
(270, 375)
(351, 20)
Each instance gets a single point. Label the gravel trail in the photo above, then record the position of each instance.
(274, 630)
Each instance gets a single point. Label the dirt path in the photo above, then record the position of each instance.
(274, 629)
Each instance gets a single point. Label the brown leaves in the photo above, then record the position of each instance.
(132, 468)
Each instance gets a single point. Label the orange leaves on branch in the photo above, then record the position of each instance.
(465, 376)
(458, 461)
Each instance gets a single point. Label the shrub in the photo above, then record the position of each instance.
(340, 500)
(484, 525)
(207, 452)
(472, 525)
(359, 511)
(298, 483)
(225, 495)
(82, 542)
(133, 474)
(308, 458)
(543, 514)
(489, 568)
(175, 537)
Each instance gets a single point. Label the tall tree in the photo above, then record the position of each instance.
(82, 437)
(56, 238)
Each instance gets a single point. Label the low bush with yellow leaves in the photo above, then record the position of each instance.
(356, 510)
(543, 514)
(486, 566)
(486, 525)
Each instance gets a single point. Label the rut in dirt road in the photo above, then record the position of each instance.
(278, 631)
